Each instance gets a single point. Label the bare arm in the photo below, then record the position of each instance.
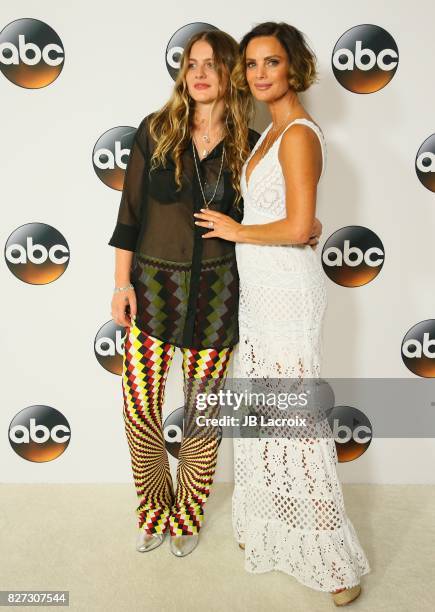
(300, 156)
(122, 299)
(123, 261)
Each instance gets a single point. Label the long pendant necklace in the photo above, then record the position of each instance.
(207, 204)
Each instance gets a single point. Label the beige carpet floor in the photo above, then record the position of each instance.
(81, 538)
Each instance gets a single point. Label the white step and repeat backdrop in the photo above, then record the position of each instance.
(76, 80)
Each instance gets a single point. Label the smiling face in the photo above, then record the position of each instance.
(202, 77)
(267, 68)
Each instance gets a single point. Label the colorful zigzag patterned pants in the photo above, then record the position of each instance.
(146, 364)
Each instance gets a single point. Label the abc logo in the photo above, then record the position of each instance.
(353, 256)
(321, 395)
(110, 155)
(173, 431)
(31, 53)
(351, 430)
(178, 41)
(109, 346)
(173, 428)
(425, 163)
(39, 433)
(365, 58)
(418, 349)
(37, 253)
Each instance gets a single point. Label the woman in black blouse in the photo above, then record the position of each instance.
(174, 289)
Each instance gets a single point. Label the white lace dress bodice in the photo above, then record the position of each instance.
(288, 505)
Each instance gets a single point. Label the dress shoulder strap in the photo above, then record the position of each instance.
(319, 133)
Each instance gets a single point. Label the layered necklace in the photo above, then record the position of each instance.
(208, 202)
(204, 151)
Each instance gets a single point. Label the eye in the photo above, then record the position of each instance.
(211, 65)
(250, 64)
(191, 65)
(273, 62)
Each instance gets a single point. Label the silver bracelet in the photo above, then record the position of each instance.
(130, 286)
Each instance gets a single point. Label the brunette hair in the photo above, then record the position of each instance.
(302, 59)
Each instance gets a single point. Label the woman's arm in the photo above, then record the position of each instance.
(123, 261)
(128, 222)
(300, 156)
(127, 297)
(127, 229)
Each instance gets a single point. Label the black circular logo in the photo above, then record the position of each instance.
(173, 431)
(39, 433)
(353, 256)
(110, 155)
(365, 58)
(31, 53)
(352, 432)
(418, 349)
(173, 428)
(109, 346)
(425, 163)
(178, 41)
(37, 253)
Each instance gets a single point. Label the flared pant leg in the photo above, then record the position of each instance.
(204, 372)
(145, 368)
(146, 365)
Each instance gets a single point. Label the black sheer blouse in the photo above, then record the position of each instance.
(187, 287)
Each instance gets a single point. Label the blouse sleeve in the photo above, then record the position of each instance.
(129, 219)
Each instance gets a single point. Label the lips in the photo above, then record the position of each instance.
(263, 85)
(201, 86)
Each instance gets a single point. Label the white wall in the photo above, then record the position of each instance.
(114, 74)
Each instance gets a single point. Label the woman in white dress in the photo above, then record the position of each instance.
(288, 509)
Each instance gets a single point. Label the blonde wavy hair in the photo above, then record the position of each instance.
(170, 127)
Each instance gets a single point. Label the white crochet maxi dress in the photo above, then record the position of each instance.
(288, 505)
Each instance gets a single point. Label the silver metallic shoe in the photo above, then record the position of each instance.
(183, 545)
(146, 542)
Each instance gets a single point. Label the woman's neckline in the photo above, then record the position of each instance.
(263, 136)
